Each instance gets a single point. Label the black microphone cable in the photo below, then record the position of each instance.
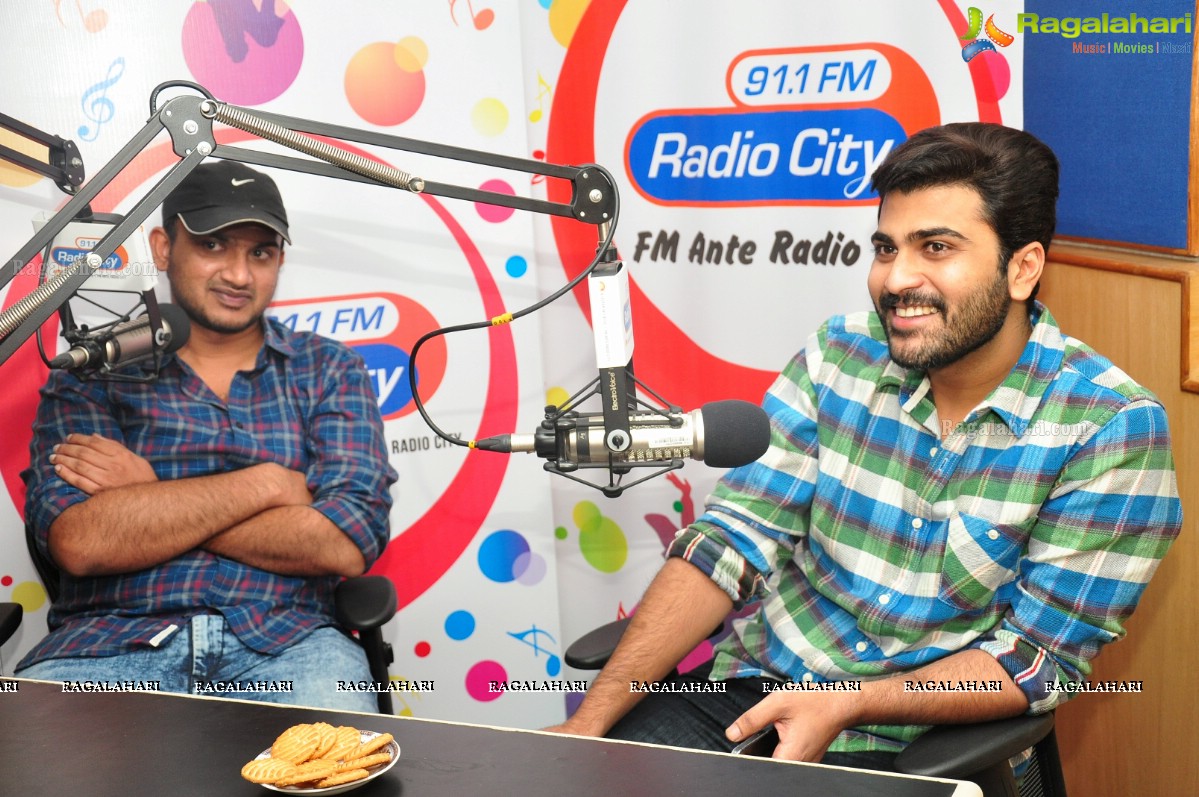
(507, 318)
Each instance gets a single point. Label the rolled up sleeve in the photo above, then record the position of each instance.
(1097, 541)
(67, 405)
(757, 512)
(350, 476)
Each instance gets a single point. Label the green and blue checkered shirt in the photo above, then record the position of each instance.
(877, 545)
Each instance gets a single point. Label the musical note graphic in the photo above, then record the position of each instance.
(94, 20)
(553, 665)
(96, 105)
(544, 89)
(482, 20)
(236, 18)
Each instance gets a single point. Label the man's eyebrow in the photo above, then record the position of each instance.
(882, 239)
(935, 232)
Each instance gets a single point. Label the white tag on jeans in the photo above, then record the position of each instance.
(161, 636)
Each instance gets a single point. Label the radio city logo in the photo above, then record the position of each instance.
(382, 327)
(809, 125)
(66, 257)
(63, 257)
(994, 36)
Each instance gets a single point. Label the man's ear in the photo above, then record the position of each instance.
(160, 248)
(1024, 270)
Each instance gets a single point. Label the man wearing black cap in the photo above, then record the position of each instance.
(202, 520)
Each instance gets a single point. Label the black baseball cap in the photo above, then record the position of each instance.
(223, 193)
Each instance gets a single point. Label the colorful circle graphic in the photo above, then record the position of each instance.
(502, 555)
(30, 594)
(530, 568)
(564, 19)
(489, 117)
(459, 625)
(991, 83)
(495, 213)
(385, 82)
(516, 266)
(478, 680)
(601, 541)
(243, 54)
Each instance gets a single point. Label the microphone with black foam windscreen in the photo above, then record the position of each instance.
(722, 434)
(127, 342)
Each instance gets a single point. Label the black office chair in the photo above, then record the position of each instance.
(10, 620)
(362, 605)
(978, 753)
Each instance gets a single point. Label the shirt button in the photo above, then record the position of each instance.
(932, 452)
(884, 599)
(993, 534)
(917, 522)
(807, 676)
(861, 646)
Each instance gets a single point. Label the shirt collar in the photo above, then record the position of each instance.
(1018, 396)
(273, 339)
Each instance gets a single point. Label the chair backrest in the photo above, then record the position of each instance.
(10, 620)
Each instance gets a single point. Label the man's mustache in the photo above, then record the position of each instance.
(889, 301)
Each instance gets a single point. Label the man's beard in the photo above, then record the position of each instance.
(970, 327)
(202, 319)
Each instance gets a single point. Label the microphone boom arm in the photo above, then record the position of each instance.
(189, 121)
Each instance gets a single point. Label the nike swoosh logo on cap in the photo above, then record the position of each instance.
(242, 182)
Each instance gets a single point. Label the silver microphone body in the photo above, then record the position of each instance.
(655, 437)
(722, 434)
(127, 342)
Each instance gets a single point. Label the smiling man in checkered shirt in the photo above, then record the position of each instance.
(959, 507)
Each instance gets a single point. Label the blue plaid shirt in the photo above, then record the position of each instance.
(876, 545)
(307, 405)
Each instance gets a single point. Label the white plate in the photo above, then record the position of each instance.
(391, 747)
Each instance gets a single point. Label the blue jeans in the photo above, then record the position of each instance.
(206, 658)
(697, 720)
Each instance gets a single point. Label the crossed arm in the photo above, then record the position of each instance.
(261, 516)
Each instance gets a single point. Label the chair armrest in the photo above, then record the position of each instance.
(10, 620)
(365, 602)
(592, 650)
(958, 751)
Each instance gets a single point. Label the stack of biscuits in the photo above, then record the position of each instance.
(319, 755)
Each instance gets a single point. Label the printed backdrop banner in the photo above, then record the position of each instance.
(741, 137)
